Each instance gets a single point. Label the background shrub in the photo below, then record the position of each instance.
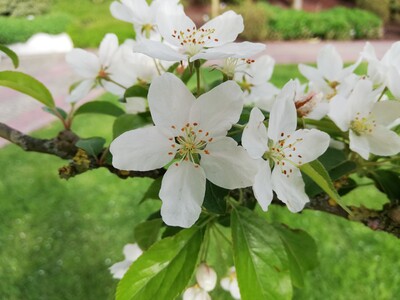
(21, 8)
(339, 23)
(255, 20)
(14, 30)
(379, 7)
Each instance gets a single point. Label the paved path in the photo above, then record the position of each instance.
(26, 115)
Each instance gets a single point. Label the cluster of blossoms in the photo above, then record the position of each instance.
(192, 138)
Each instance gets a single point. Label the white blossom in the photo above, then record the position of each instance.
(253, 77)
(284, 147)
(185, 42)
(192, 134)
(367, 120)
(206, 282)
(310, 104)
(329, 73)
(230, 284)
(386, 71)
(109, 69)
(131, 253)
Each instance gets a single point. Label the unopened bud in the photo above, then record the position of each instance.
(206, 277)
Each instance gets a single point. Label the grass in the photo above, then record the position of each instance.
(86, 21)
(57, 238)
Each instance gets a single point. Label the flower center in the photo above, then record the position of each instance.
(193, 40)
(190, 143)
(363, 125)
(284, 154)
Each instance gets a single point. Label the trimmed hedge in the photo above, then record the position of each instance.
(339, 23)
(14, 30)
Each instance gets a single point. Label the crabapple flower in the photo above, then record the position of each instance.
(385, 71)
(131, 253)
(230, 283)
(191, 134)
(330, 73)
(108, 69)
(367, 120)
(142, 15)
(253, 77)
(285, 148)
(309, 104)
(186, 42)
(206, 282)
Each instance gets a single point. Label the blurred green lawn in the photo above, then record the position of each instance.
(57, 237)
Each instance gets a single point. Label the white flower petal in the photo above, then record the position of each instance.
(182, 193)
(262, 187)
(308, 145)
(386, 112)
(81, 91)
(261, 70)
(120, 12)
(290, 189)
(227, 27)
(234, 289)
(119, 269)
(206, 277)
(338, 112)
(255, 138)
(158, 50)
(132, 252)
(283, 117)
(368, 52)
(217, 110)
(359, 144)
(312, 74)
(394, 82)
(362, 99)
(84, 63)
(196, 293)
(329, 63)
(170, 101)
(108, 48)
(113, 88)
(225, 283)
(235, 50)
(263, 96)
(228, 165)
(383, 141)
(141, 149)
(171, 23)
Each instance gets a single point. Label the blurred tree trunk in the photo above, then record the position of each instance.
(297, 4)
(214, 8)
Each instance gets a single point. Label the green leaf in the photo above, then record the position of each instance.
(100, 107)
(317, 172)
(27, 85)
(62, 112)
(260, 260)
(163, 271)
(388, 182)
(11, 54)
(146, 233)
(301, 250)
(136, 91)
(152, 191)
(214, 198)
(92, 146)
(128, 122)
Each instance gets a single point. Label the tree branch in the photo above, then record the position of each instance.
(63, 146)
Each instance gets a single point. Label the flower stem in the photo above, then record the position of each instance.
(198, 76)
